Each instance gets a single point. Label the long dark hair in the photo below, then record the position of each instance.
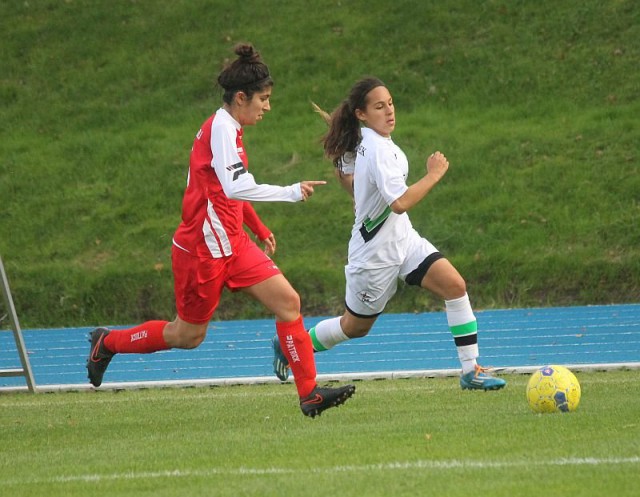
(247, 74)
(344, 128)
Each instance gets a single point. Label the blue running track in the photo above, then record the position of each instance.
(400, 345)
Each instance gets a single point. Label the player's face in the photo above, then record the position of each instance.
(252, 110)
(379, 113)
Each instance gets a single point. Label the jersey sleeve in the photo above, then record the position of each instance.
(347, 163)
(253, 222)
(388, 177)
(236, 181)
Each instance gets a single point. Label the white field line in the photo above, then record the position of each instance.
(451, 464)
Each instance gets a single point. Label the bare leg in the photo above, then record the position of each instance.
(277, 295)
(183, 335)
(444, 280)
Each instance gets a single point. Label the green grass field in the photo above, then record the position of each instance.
(394, 437)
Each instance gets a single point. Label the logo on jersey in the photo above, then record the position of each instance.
(370, 227)
(237, 169)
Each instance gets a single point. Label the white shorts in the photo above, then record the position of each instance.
(369, 290)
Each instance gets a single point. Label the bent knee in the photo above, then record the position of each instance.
(289, 304)
(459, 287)
(358, 332)
(193, 341)
(293, 301)
(356, 328)
(186, 337)
(455, 289)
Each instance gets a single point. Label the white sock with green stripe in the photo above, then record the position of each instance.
(327, 334)
(464, 328)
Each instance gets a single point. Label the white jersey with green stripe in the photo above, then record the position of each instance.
(378, 235)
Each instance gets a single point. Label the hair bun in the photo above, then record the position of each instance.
(247, 73)
(247, 53)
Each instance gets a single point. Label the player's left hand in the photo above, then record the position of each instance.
(269, 245)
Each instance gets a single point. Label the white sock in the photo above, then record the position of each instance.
(463, 326)
(468, 363)
(327, 334)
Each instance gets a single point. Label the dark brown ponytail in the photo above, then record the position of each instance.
(344, 128)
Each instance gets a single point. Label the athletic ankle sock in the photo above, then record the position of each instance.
(143, 339)
(296, 346)
(464, 328)
(468, 365)
(327, 334)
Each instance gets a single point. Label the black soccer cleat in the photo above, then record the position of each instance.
(99, 356)
(322, 398)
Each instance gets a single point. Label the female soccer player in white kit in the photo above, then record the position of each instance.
(212, 251)
(384, 246)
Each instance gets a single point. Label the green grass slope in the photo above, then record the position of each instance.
(534, 103)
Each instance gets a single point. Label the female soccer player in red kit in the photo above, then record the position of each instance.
(211, 250)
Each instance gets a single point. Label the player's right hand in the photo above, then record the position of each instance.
(306, 187)
(437, 164)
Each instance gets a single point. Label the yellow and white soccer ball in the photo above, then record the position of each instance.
(553, 389)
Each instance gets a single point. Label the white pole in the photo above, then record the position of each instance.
(17, 334)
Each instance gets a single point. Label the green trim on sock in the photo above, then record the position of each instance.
(317, 346)
(464, 329)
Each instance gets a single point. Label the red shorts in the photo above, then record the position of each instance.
(199, 281)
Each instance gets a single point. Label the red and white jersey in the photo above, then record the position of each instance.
(219, 188)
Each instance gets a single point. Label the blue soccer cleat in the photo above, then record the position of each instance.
(280, 362)
(480, 380)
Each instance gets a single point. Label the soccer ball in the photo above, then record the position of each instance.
(553, 389)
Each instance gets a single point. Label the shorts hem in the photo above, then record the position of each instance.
(195, 321)
(362, 316)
